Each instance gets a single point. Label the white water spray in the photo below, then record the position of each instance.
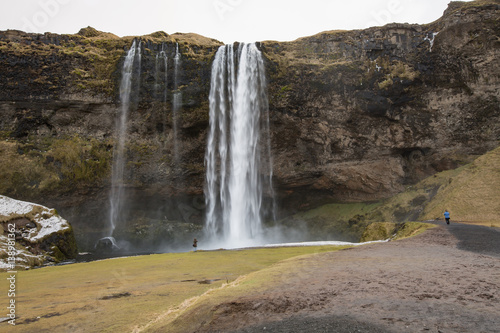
(126, 88)
(236, 173)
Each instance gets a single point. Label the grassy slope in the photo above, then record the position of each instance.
(471, 193)
(86, 297)
(333, 221)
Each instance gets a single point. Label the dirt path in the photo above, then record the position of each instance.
(445, 280)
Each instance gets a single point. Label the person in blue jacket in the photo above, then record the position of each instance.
(447, 216)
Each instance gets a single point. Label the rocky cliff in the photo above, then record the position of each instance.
(370, 111)
(355, 116)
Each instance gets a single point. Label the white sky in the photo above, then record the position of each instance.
(225, 20)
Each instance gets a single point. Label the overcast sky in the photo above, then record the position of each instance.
(225, 20)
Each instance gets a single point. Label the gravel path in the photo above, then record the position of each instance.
(477, 239)
(445, 280)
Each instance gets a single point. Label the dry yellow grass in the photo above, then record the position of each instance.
(128, 293)
(200, 309)
(472, 194)
(492, 224)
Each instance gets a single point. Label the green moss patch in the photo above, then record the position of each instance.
(343, 222)
(33, 168)
(388, 230)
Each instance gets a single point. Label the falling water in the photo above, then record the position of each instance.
(177, 103)
(239, 116)
(161, 61)
(126, 87)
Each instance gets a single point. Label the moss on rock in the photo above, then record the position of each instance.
(37, 167)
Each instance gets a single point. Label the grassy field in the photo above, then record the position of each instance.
(128, 294)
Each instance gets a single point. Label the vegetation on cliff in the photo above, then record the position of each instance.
(38, 167)
(82, 65)
(470, 193)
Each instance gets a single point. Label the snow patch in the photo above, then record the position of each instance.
(431, 40)
(9, 206)
(313, 243)
(41, 224)
(47, 221)
(53, 224)
(21, 256)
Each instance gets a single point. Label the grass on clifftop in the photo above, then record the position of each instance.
(130, 293)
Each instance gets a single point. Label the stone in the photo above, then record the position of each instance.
(41, 235)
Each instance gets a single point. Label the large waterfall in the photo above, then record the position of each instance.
(238, 163)
(130, 66)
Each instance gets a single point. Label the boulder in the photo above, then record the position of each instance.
(33, 235)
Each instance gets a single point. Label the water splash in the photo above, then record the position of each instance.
(236, 174)
(132, 61)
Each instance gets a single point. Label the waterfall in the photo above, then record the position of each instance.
(161, 60)
(238, 161)
(132, 61)
(177, 103)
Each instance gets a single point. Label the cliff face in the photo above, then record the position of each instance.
(59, 99)
(374, 110)
(355, 115)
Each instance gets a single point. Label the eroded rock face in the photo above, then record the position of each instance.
(355, 115)
(33, 235)
(370, 111)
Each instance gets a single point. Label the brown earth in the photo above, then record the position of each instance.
(445, 280)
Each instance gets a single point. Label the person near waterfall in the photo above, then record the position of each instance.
(447, 216)
(195, 244)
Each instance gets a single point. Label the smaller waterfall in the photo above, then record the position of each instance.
(177, 104)
(238, 158)
(161, 64)
(132, 60)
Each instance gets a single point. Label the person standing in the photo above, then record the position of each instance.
(447, 216)
(195, 244)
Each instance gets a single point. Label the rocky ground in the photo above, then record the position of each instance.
(445, 280)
